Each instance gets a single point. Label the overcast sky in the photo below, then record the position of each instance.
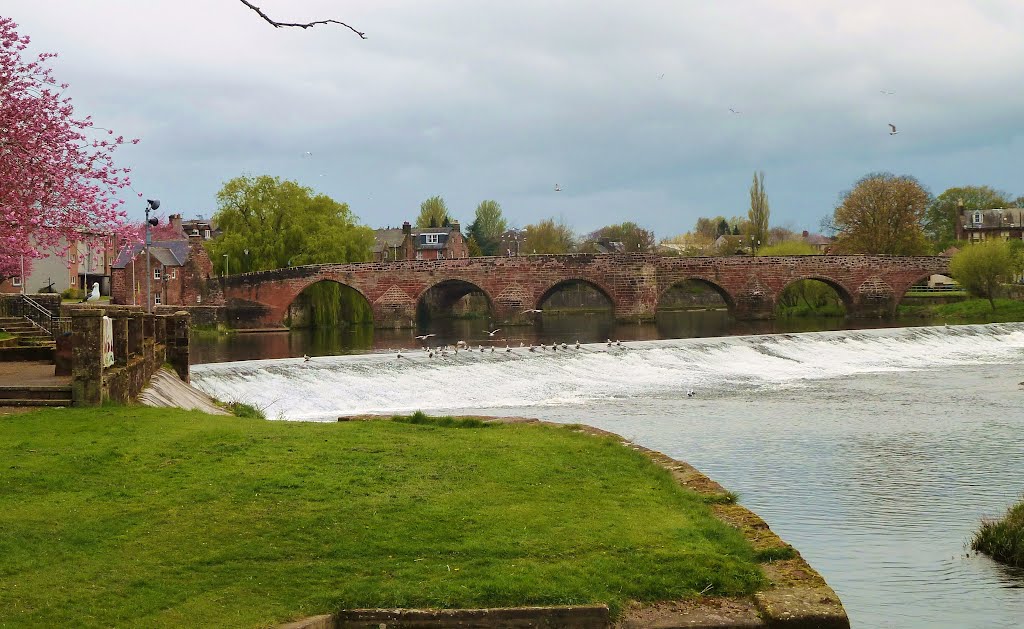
(625, 105)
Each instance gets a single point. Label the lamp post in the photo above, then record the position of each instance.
(151, 205)
(225, 265)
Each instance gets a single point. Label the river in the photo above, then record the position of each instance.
(874, 452)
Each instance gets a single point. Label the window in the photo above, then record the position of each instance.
(206, 234)
(419, 255)
(174, 274)
(73, 281)
(156, 299)
(16, 281)
(430, 239)
(156, 273)
(977, 217)
(199, 299)
(440, 255)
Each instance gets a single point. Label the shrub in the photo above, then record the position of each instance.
(73, 293)
(419, 417)
(1003, 540)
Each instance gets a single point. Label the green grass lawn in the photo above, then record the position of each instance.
(1003, 540)
(135, 516)
(969, 311)
(5, 335)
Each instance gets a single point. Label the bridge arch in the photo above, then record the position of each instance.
(327, 301)
(843, 291)
(562, 282)
(673, 285)
(442, 296)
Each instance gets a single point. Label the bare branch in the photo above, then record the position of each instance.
(277, 24)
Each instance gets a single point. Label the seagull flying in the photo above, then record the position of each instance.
(492, 332)
(424, 337)
(886, 92)
(558, 188)
(735, 111)
(892, 129)
(661, 76)
(529, 310)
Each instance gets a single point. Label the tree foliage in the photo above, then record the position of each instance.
(943, 213)
(882, 214)
(268, 223)
(758, 213)
(549, 236)
(57, 173)
(982, 267)
(634, 239)
(433, 213)
(473, 247)
(788, 248)
(487, 227)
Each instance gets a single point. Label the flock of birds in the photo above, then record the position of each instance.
(443, 351)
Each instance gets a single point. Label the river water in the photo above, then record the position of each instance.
(876, 453)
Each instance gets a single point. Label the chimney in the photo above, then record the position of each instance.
(175, 220)
(406, 228)
(456, 226)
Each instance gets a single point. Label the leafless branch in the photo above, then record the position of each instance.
(277, 24)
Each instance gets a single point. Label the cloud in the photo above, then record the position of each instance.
(474, 100)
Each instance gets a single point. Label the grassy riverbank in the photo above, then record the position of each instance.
(1003, 540)
(968, 311)
(139, 516)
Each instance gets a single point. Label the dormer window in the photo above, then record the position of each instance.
(430, 239)
(977, 217)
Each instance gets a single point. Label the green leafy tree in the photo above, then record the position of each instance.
(549, 236)
(788, 248)
(487, 227)
(473, 247)
(633, 237)
(723, 228)
(708, 228)
(758, 213)
(882, 214)
(982, 267)
(433, 213)
(942, 214)
(267, 223)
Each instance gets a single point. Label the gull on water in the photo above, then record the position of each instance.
(892, 129)
(689, 393)
(305, 358)
(577, 343)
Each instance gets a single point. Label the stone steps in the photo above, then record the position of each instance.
(26, 333)
(57, 395)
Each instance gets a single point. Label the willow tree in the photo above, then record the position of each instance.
(269, 223)
(758, 213)
(882, 214)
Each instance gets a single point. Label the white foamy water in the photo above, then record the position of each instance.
(381, 383)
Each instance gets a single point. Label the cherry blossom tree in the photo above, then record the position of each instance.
(58, 179)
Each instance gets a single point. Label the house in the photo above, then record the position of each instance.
(202, 227)
(427, 243)
(822, 243)
(180, 274)
(979, 225)
(607, 245)
(86, 261)
(512, 242)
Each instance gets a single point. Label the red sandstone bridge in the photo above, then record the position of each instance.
(634, 284)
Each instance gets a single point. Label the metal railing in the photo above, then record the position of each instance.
(28, 308)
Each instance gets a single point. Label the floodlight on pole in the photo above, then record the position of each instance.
(151, 205)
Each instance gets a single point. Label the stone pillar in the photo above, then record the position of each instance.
(177, 346)
(161, 323)
(148, 326)
(752, 307)
(119, 319)
(86, 356)
(135, 333)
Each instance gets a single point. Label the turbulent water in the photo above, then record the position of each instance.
(875, 452)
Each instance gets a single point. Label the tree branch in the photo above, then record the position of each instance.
(277, 24)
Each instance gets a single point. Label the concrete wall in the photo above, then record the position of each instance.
(142, 344)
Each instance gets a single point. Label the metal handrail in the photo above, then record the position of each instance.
(42, 319)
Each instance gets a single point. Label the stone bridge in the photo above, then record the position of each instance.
(870, 286)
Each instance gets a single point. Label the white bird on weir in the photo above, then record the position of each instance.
(491, 333)
(892, 129)
(424, 337)
(305, 358)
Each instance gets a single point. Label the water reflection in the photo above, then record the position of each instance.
(591, 327)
